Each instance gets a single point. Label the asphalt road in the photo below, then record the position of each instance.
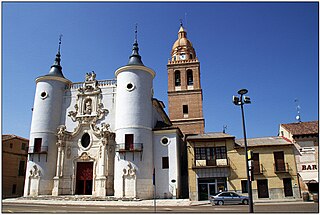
(300, 207)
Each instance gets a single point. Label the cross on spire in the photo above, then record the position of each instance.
(136, 33)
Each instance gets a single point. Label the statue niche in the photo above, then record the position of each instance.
(88, 107)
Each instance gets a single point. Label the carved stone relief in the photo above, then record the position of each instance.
(88, 107)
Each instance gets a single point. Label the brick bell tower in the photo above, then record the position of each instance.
(184, 88)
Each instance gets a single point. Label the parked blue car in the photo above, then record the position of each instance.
(228, 198)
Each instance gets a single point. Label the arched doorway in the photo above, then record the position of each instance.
(84, 178)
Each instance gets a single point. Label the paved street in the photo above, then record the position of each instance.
(297, 207)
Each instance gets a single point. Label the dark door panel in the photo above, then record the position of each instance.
(263, 188)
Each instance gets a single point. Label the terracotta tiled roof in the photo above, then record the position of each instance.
(210, 135)
(264, 141)
(11, 136)
(302, 128)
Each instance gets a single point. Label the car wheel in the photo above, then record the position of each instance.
(245, 202)
(220, 202)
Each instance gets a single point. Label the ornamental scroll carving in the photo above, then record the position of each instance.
(130, 171)
(88, 107)
(103, 132)
(62, 135)
(35, 172)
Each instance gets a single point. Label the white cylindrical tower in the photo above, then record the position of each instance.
(47, 109)
(133, 127)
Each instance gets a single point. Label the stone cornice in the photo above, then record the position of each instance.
(55, 78)
(135, 67)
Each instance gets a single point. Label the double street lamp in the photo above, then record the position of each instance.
(240, 101)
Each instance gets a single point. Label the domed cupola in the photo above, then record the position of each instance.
(182, 49)
(56, 69)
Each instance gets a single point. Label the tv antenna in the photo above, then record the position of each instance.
(298, 108)
(224, 129)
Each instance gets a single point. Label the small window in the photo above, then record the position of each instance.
(244, 186)
(14, 189)
(43, 95)
(165, 141)
(11, 145)
(21, 168)
(191, 56)
(189, 77)
(130, 87)
(23, 146)
(85, 140)
(221, 152)
(37, 144)
(177, 80)
(165, 162)
(185, 109)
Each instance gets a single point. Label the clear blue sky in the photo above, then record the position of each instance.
(269, 48)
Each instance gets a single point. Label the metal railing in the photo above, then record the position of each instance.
(37, 150)
(211, 163)
(281, 167)
(259, 170)
(135, 147)
(101, 83)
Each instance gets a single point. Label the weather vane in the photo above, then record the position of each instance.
(60, 37)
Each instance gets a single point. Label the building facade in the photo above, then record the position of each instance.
(305, 138)
(216, 162)
(102, 137)
(275, 173)
(14, 160)
(208, 164)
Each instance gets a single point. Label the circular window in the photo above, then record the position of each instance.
(165, 141)
(130, 86)
(43, 95)
(85, 140)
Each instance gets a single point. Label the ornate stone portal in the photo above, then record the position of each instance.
(89, 142)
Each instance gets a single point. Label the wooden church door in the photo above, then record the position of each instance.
(84, 178)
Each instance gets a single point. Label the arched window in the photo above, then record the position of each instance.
(189, 77)
(191, 56)
(177, 80)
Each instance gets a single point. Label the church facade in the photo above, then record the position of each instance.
(102, 137)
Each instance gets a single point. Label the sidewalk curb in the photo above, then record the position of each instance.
(159, 202)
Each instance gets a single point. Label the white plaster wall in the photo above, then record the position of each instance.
(134, 108)
(45, 120)
(165, 176)
(134, 116)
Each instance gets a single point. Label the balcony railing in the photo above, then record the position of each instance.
(136, 147)
(281, 168)
(211, 163)
(259, 170)
(36, 150)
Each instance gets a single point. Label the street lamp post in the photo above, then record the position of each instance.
(241, 101)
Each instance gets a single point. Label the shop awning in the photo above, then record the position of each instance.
(308, 177)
